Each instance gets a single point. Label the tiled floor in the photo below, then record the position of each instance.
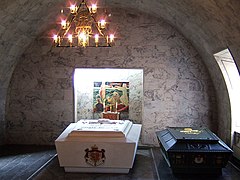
(34, 162)
(143, 169)
(20, 162)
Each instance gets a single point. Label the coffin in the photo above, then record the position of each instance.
(98, 146)
(189, 150)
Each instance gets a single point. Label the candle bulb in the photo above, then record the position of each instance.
(55, 38)
(111, 38)
(64, 24)
(84, 40)
(94, 8)
(102, 24)
(81, 36)
(96, 39)
(79, 40)
(73, 8)
(70, 39)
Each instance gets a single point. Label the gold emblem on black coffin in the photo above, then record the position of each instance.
(95, 157)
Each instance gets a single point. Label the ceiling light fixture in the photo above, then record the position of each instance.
(83, 27)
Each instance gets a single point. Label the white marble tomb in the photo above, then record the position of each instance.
(98, 146)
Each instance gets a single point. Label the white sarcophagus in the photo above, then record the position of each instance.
(100, 146)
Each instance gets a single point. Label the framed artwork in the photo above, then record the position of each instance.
(111, 96)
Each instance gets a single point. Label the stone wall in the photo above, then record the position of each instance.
(211, 26)
(177, 87)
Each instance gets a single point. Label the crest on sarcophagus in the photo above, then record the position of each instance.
(95, 157)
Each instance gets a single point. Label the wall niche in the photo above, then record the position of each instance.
(92, 85)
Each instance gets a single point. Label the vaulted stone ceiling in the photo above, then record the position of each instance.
(210, 25)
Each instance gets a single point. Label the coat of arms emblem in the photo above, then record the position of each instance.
(95, 157)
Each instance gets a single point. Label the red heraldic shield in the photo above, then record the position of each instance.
(95, 157)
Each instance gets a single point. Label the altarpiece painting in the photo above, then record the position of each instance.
(111, 96)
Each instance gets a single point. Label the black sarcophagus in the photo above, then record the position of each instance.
(189, 150)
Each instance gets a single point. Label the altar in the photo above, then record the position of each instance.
(98, 146)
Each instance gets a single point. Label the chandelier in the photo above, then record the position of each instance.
(83, 27)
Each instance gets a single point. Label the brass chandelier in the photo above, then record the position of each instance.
(82, 27)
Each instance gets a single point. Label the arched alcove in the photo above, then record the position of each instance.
(112, 79)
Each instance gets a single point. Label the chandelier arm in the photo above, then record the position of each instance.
(69, 19)
(99, 30)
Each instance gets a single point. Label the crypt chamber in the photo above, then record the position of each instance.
(169, 45)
